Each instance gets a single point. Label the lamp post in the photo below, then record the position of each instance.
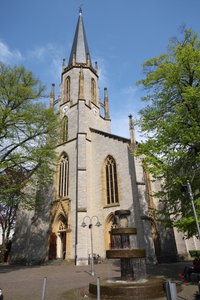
(91, 238)
(193, 206)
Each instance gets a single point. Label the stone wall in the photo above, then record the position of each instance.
(30, 240)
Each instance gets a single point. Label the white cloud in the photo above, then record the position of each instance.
(38, 53)
(102, 72)
(120, 126)
(132, 98)
(56, 68)
(51, 55)
(128, 102)
(45, 52)
(9, 56)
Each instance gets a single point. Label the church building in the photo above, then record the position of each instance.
(96, 175)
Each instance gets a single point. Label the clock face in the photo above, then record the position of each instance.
(65, 108)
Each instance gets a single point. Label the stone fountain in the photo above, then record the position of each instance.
(133, 283)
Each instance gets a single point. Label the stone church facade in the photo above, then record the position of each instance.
(96, 174)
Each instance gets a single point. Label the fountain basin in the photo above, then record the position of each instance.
(152, 288)
(125, 253)
(121, 212)
(134, 283)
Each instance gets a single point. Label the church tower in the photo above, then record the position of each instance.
(81, 110)
(95, 171)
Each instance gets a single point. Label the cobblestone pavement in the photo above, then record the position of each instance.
(26, 283)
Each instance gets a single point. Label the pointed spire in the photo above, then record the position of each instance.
(107, 116)
(80, 51)
(52, 95)
(132, 132)
(96, 67)
(63, 63)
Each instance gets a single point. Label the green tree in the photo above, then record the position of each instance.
(28, 137)
(171, 126)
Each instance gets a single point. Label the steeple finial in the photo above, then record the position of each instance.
(80, 10)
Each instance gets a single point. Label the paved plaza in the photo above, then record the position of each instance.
(64, 281)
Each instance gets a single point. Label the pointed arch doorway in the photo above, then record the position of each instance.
(58, 238)
(107, 234)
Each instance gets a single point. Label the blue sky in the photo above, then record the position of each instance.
(121, 34)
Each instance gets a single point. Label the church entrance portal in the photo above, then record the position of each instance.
(57, 241)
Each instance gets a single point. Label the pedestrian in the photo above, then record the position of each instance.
(195, 268)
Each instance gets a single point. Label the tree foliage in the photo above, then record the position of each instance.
(28, 137)
(171, 126)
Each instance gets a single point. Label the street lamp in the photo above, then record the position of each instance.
(193, 206)
(90, 227)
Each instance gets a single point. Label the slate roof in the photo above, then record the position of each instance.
(110, 135)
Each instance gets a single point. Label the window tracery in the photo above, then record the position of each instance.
(67, 89)
(93, 90)
(63, 176)
(62, 226)
(64, 130)
(112, 194)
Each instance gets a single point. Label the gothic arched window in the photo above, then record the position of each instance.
(93, 90)
(67, 89)
(63, 175)
(64, 130)
(111, 181)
